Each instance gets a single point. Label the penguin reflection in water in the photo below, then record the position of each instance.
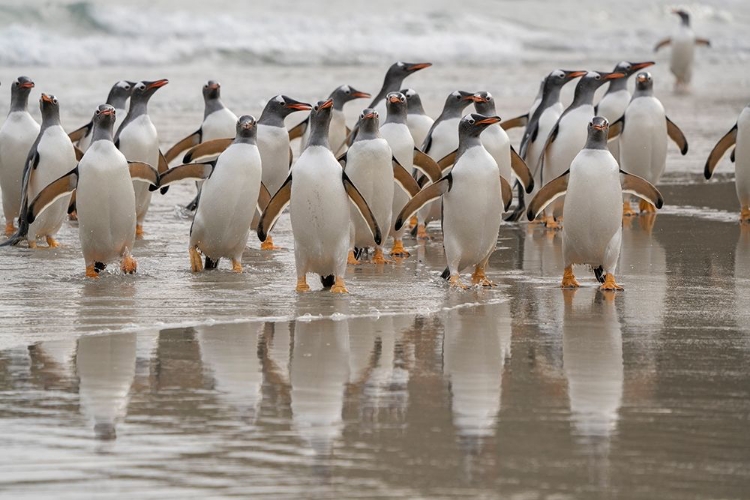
(223, 215)
(105, 198)
(593, 188)
(475, 196)
(318, 192)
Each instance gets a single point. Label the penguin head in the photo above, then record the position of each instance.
(283, 106)
(105, 116)
(400, 70)
(322, 109)
(413, 101)
(458, 100)
(246, 127)
(472, 125)
(120, 92)
(50, 108)
(484, 103)
(395, 103)
(211, 90)
(629, 68)
(21, 89)
(684, 16)
(346, 93)
(595, 79)
(643, 81)
(369, 121)
(598, 130)
(142, 91)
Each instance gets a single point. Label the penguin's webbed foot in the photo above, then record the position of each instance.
(422, 233)
(351, 259)
(569, 279)
(32, 244)
(302, 285)
(10, 229)
(52, 242)
(646, 207)
(339, 286)
(139, 231)
(413, 221)
(73, 216)
(551, 223)
(398, 249)
(455, 282)
(627, 210)
(196, 265)
(609, 283)
(379, 258)
(479, 278)
(744, 216)
(236, 266)
(268, 244)
(92, 271)
(128, 265)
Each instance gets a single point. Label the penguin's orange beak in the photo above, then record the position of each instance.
(641, 78)
(489, 120)
(326, 104)
(418, 66)
(478, 98)
(299, 106)
(108, 111)
(576, 74)
(46, 98)
(157, 84)
(369, 116)
(214, 86)
(394, 99)
(614, 76)
(603, 126)
(360, 95)
(27, 85)
(641, 65)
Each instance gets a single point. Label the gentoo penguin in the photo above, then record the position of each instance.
(103, 181)
(568, 136)
(612, 105)
(138, 141)
(338, 131)
(541, 120)
(496, 141)
(417, 120)
(394, 78)
(474, 198)
(118, 98)
(593, 187)
(17, 135)
(318, 192)
(51, 156)
(218, 122)
(643, 132)
(223, 216)
(441, 140)
(738, 136)
(396, 131)
(683, 51)
(370, 165)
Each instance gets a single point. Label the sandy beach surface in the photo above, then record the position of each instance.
(173, 385)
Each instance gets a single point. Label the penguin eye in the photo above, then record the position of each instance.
(205, 86)
(17, 84)
(403, 99)
(97, 112)
(347, 92)
(471, 121)
(127, 87)
(489, 98)
(54, 101)
(597, 77)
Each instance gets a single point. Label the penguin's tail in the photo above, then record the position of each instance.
(520, 209)
(328, 281)
(20, 235)
(446, 274)
(599, 273)
(211, 264)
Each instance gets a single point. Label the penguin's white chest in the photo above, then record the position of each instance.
(547, 120)
(683, 52)
(593, 207)
(742, 158)
(444, 138)
(273, 144)
(319, 211)
(227, 203)
(643, 142)
(17, 135)
(472, 209)
(571, 137)
(419, 126)
(221, 124)
(140, 142)
(401, 142)
(105, 201)
(613, 105)
(337, 131)
(370, 168)
(495, 140)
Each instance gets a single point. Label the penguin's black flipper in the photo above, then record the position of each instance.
(599, 273)
(211, 264)
(517, 213)
(328, 281)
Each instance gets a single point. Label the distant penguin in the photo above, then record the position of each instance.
(118, 98)
(225, 209)
(17, 135)
(393, 81)
(568, 136)
(318, 192)
(370, 165)
(644, 131)
(103, 181)
(683, 51)
(218, 122)
(612, 106)
(417, 120)
(541, 121)
(592, 233)
(474, 196)
(338, 131)
(138, 140)
(441, 140)
(496, 141)
(51, 157)
(738, 136)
